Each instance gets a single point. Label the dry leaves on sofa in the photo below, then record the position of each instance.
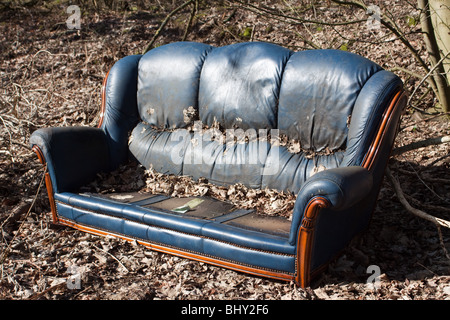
(265, 201)
(132, 177)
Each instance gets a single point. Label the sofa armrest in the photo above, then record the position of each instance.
(371, 105)
(340, 188)
(119, 107)
(74, 155)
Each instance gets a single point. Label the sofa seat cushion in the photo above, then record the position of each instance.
(221, 234)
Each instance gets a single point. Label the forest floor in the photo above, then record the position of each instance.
(52, 76)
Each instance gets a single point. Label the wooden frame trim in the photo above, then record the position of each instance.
(369, 159)
(48, 183)
(183, 253)
(241, 246)
(305, 239)
(103, 104)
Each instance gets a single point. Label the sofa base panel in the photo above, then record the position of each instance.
(183, 253)
(205, 234)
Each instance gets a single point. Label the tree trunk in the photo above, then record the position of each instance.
(434, 19)
(441, 24)
(440, 18)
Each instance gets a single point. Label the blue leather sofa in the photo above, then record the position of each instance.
(342, 109)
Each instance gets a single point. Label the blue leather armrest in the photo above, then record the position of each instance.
(120, 107)
(341, 187)
(74, 155)
(370, 105)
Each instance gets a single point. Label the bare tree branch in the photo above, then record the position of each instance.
(188, 24)
(166, 20)
(438, 64)
(385, 21)
(407, 206)
(419, 213)
(420, 144)
(297, 20)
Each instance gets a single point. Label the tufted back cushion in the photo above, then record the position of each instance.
(309, 96)
(317, 96)
(240, 85)
(168, 83)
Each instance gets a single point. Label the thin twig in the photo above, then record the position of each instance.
(312, 44)
(191, 18)
(295, 20)
(166, 20)
(426, 185)
(441, 240)
(40, 294)
(438, 159)
(419, 100)
(112, 256)
(5, 252)
(425, 119)
(427, 206)
(387, 22)
(414, 74)
(427, 75)
(16, 213)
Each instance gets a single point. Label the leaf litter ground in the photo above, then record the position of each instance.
(52, 76)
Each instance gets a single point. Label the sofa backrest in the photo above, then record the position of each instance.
(307, 95)
(310, 97)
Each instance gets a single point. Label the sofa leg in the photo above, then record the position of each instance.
(305, 240)
(48, 183)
